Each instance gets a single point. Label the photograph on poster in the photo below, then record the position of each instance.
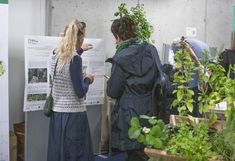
(37, 75)
(36, 97)
(2, 70)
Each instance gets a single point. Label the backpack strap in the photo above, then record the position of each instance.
(159, 90)
(161, 76)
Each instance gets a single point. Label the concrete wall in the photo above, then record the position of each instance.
(219, 22)
(25, 17)
(98, 14)
(212, 18)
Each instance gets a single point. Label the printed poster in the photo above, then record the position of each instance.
(37, 51)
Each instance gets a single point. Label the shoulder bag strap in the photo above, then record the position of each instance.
(52, 82)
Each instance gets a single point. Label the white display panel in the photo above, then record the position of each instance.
(4, 95)
(37, 51)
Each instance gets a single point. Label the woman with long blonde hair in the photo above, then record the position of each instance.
(69, 134)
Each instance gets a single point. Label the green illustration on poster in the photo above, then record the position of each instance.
(4, 1)
(2, 70)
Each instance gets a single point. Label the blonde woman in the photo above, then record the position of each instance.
(69, 134)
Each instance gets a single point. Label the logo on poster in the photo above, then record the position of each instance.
(32, 41)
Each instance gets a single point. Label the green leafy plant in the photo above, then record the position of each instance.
(192, 144)
(209, 98)
(138, 15)
(184, 100)
(229, 132)
(224, 143)
(2, 70)
(220, 147)
(153, 134)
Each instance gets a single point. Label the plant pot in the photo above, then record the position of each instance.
(160, 154)
(176, 119)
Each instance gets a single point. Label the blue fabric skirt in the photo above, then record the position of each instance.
(69, 137)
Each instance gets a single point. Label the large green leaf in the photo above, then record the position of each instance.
(191, 92)
(144, 117)
(156, 131)
(155, 142)
(134, 132)
(175, 102)
(189, 106)
(158, 143)
(141, 138)
(161, 124)
(180, 95)
(135, 122)
(152, 121)
(150, 140)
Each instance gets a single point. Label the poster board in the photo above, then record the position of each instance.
(37, 51)
(4, 94)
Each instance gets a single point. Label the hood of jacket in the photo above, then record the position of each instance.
(136, 60)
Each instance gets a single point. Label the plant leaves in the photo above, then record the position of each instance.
(141, 138)
(135, 122)
(189, 106)
(179, 95)
(144, 117)
(152, 121)
(156, 131)
(161, 124)
(158, 143)
(212, 119)
(134, 132)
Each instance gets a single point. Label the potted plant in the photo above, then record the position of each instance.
(137, 14)
(172, 143)
(152, 133)
(211, 89)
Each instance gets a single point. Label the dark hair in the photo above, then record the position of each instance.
(124, 27)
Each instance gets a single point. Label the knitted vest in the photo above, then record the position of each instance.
(64, 96)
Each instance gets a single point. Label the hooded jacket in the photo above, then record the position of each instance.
(133, 75)
(228, 58)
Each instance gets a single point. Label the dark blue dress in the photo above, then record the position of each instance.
(69, 133)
